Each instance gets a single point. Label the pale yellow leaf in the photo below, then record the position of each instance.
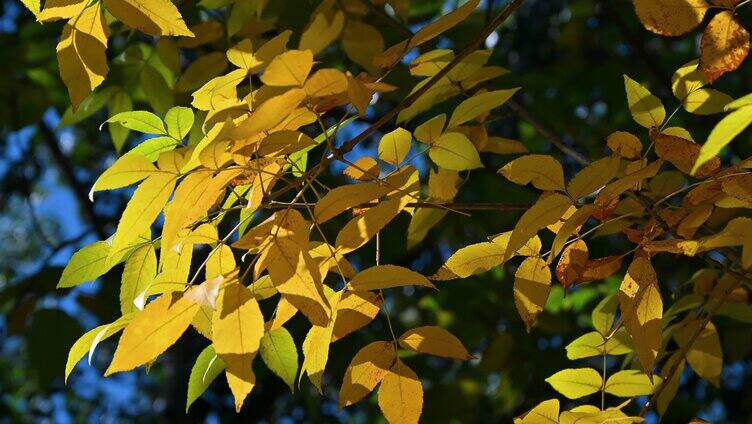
(434, 341)
(576, 382)
(367, 368)
(543, 171)
(532, 284)
(152, 331)
(646, 109)
(401, 395)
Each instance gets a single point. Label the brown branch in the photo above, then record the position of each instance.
(49, 139)
(547, 133)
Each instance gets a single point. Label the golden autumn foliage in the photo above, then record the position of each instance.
(227, 168)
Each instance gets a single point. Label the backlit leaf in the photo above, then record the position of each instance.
(435, 341)
(576, 382)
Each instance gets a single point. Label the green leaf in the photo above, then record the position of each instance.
(89, 106)
(141, 121)
(630, 383)
(594, 344)
(179, 121)
(725, 131)
(647, 110)
(604, 313)
(119, 103)
(207, 367)
(152, 147)
(576, 382)
(88, 264)
(89, 341)
(280, 354)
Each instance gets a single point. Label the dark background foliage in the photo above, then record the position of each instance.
(569, 57)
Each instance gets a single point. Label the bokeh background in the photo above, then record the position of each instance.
(569, 57)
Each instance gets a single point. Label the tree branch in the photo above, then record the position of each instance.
(547, 133)
(49, 139)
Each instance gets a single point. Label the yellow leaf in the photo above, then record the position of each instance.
(288, 69)
(705, 355)
(544, 412)
(127, 170)
(706, 101)
(295, 275)
(575, 221)
(387, 276)
(625, 145)
(240, 376)
(543, 171)
(139, 271)
(642, 310)
(347, 197)
(237, 323)
(362, 228)
(503, 146)
(270, 114)
(547, 210)
(89, 341)
(687, 79)
(532, 284)
(479, 105)
(153, 17)
(430, 130)
(434, 341)
(81, 53)
(368, 367)
(321, 32)
(152, 331)
(646, 109)
(241, 55)
(61, 9)
(428, 32)
(670, 17)
(362, 42)
(630, 383)
(576, 382)
(421, 223)
(355, 310)
(316, 346)
(401, 395)
(394, 146)
(722, 134)
(454, 151)
(594, 344)
(442, 185)
(364, 169)
(475, 259)
(326, 82)
(593, 177)
(724, 45)
(143, 208)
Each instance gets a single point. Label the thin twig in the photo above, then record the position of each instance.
(547, 133)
